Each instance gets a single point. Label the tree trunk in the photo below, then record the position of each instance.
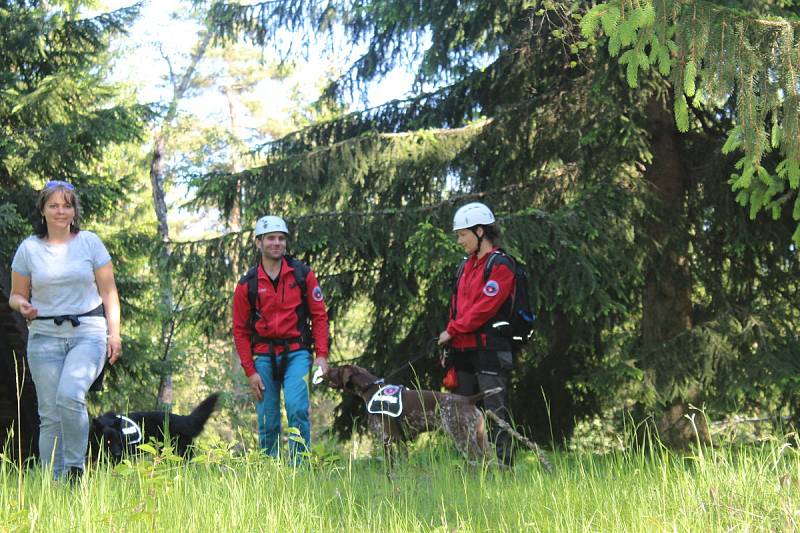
(235, 219)
(666, 302)
(164, 273)
(157, 164)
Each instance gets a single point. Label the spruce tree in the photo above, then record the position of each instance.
(619, 217)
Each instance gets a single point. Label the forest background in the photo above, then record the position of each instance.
(643, 159)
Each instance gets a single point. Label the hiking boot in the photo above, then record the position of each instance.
(74, 475)
(505, 449)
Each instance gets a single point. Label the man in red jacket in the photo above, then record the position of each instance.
(482, 357)
(272, 307)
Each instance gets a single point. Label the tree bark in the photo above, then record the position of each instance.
(666, 301)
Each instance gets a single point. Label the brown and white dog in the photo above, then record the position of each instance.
(423, 410)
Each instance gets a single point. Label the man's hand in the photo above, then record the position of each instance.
(256, 386)
(322, 362)
(444, 337)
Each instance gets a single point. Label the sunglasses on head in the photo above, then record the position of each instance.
(58, 183)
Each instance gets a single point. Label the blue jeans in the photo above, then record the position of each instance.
(63, 369)
(295, 396)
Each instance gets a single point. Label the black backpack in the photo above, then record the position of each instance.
(515, 320)
(300, 271)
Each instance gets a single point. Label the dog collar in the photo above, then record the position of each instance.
(131, 430)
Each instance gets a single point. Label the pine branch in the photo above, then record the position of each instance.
(711, 52)
(372, 136)
(449, 203)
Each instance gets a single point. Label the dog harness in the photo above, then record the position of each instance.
(388, 400)
(131, 431)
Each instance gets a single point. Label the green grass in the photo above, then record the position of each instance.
(753, 488)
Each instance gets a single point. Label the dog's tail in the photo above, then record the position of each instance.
(475, 398)
(193, 423)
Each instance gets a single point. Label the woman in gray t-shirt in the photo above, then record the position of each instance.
(62, 282)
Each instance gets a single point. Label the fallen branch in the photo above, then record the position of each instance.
(722, 425)
(545, 462)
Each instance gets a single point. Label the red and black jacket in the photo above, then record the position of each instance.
(281, 316)
(477, 302)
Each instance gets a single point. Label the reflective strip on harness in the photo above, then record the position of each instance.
(130, 430)
(388, 400)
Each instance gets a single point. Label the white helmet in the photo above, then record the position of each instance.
(270, 224)
(472, 214)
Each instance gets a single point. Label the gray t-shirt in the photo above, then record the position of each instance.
(63, 282)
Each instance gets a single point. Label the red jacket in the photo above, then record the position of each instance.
(279, 314)
(476, 301)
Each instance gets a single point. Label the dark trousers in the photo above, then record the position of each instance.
(482, 370)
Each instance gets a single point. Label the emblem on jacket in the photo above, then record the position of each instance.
(491, 288)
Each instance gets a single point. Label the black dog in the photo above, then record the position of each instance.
(118, 435)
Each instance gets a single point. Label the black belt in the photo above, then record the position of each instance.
(277, 371)
(73, 319)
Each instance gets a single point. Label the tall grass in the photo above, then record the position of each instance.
(754, 488)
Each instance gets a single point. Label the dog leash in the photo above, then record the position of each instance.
(425, 353)
(317, 377)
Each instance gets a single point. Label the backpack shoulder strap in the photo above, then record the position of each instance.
(300, 270)
(251, 279)
(499, 257)
(459, 273)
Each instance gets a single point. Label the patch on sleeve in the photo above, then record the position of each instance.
(316, 294)
(491, 288)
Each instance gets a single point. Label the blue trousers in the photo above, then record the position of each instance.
(295, 396)
(63, 369)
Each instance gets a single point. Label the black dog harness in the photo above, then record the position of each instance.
(131, 432)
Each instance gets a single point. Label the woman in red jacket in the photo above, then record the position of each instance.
(482, 357)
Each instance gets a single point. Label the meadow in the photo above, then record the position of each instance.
(734, 488)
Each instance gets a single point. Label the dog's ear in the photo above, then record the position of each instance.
(346, 374)
(115, 422)
(103, 421)
(361, 379)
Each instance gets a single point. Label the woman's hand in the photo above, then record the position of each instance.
(444, 337)
(114, 349)
(20, 296)
(27, 310)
